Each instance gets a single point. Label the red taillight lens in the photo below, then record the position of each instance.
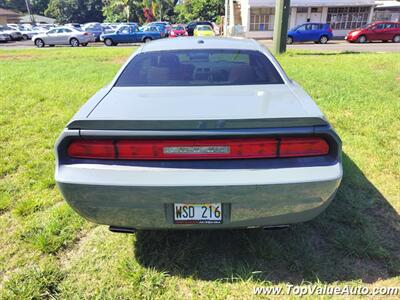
(102, 149)
(234, 148)
(310, 146)
(197, 149)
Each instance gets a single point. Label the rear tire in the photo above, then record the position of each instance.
(396, 39)
(84, 44)
(362, 39)
(108, 42)
(146, 40)
(25, 37)
(51, 45)
(289, 40)
(74, 42)
(39, 43)
(323, 39)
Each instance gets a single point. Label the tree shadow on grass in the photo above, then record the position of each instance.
(356, 238)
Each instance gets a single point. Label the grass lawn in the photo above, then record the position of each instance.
(47, 250)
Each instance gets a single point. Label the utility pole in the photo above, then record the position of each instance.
(226, 18)
(29, 12)
(282, 9)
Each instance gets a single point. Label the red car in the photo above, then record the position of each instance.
(178, 30)
(378, 31)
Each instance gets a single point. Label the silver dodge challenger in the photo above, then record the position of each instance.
(199, 133)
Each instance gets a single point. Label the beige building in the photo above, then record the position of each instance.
(255, 18)
(8, 16)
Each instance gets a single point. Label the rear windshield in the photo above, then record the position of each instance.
(199, 67)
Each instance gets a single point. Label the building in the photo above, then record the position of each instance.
(387, 11)
(38, 19)
(8, 16)
(255, 18)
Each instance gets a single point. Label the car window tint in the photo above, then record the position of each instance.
(379, 26)
(66, 30)
(203, 28)
(124, 29)
(53, 31)
(199, 68)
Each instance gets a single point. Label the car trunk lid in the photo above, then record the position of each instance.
(159, 108)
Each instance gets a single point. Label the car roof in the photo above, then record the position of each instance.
(201, 43)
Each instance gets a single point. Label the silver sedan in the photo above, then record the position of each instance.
(63, 36)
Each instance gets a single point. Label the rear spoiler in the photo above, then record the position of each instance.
(194, 124)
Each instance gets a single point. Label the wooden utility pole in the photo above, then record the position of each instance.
(282, 9)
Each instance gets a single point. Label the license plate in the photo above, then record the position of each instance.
(210, 213)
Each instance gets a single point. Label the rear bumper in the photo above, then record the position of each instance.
(143, 197)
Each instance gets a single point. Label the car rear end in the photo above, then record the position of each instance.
(84, 37)
(328, 31)
(171, 157)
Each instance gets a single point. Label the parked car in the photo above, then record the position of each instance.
(14, 26)
(4, 38)
(74, 25)
(310, 32)
(192, 25)
(203, 30)
(14, 34)
(129, 34)
(377, 31)
(151, 29)
(63, 36)
(109, 28)
(161, 27)
(94, 28)
(199, 134)
(178, 30)
(165, 26)
(28, 34)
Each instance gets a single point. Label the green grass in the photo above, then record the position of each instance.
(47, 250)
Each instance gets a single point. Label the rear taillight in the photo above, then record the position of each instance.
(330, 30)
(186, 149)
(294, 147)
(101, 149)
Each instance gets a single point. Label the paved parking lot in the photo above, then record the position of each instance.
(335, 45)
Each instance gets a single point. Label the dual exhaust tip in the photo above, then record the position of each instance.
(117, 229)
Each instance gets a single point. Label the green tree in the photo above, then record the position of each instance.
(133, 10)
(80, 11)
(38, 6)
(208, 10)
(123, 11)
